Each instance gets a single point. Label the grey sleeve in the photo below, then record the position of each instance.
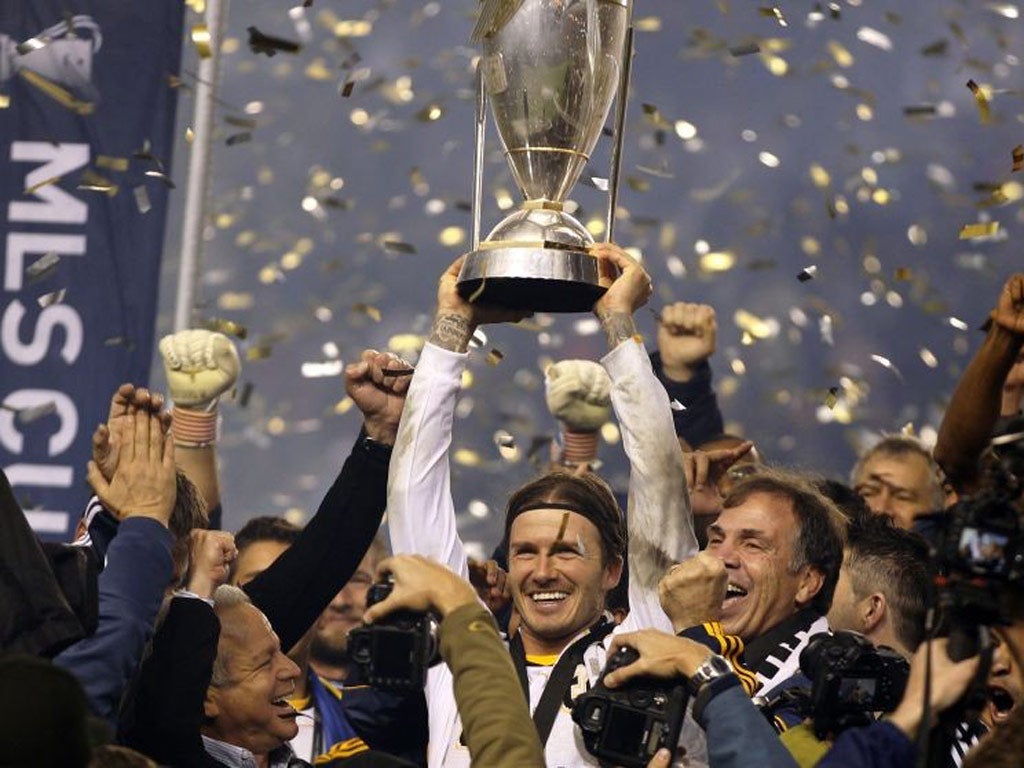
(736, 732)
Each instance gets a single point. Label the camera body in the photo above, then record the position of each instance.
(850, 680)
(980, 556)
(626, 726)
(396, 651)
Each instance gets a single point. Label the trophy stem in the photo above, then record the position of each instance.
(620, 124)
(478, 153)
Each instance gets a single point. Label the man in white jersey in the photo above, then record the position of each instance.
(561, 564)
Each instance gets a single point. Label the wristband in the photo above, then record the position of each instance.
(192, 428)
(578, 447)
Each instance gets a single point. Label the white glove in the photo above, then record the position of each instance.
(578, 394)
(200, 365)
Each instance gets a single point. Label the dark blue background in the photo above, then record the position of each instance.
(113, 287)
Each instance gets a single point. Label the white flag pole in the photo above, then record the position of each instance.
(196, 191)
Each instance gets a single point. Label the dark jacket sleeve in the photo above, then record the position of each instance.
(879, 745)
(35, 617)
(700, 419)
(297, 587)
(163, 712)
(131, 589)
(737, 731)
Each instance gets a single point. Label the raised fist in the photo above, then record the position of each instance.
(693, 591)
(578, 394)
(200, 365)
(1009, 311)
(686, 337)
(377, 385)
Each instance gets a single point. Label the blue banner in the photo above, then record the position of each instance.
(87, 101)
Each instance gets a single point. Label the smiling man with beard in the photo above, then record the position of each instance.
(328, 645)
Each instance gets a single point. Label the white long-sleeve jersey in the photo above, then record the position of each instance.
(421, 520)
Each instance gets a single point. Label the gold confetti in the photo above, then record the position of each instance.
(655, 118)
(40, 184)
(902, 273)
(494, 357)
(201, 40)
(840, 54)
(117, 164)
(5, 101)
(832, 397)
(61, 95)
(637, 184)
(562, 527)
(429, 113)
(1018, 157)
(229, 327)
(238, 138)
(369, 310)
(984, 111)
(981, 229)
(259, 352)
(772, 12)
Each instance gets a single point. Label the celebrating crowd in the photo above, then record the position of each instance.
(726, 612)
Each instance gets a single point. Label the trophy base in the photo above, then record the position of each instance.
(532, 278)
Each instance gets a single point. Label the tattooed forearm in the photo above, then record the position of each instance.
(618, 327)
(451, 332)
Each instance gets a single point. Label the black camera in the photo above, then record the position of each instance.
(396, 651)
(626, 726)
(851, 679)
(980, 553)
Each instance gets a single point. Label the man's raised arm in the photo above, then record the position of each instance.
(658, 516)
(421, 513)
(974, 409)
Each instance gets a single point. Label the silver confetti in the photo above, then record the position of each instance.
(887, 363)
(42, 267)
(28, 415)
(142, 199)
(48, 299)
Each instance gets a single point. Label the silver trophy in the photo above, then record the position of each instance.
(550, 73)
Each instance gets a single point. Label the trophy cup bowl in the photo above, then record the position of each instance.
(550, 74)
